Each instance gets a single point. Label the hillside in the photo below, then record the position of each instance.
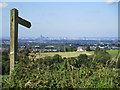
(82, 71)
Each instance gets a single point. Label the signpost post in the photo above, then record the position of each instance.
(14, 21)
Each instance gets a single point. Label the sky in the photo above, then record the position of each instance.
(64, 19)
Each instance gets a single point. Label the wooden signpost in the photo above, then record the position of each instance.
(14, 21)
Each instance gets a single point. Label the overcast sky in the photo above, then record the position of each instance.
(79, 19)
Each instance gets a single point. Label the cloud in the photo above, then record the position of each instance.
(110, 1)
(3, 5)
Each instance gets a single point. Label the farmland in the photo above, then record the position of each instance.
(113, 53)
(63, 54)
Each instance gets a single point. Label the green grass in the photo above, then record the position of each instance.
(63, 54)
(113, 53)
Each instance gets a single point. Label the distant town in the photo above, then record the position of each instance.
(46, 44)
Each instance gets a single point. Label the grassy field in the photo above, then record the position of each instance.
(113, 53)
(63, 54)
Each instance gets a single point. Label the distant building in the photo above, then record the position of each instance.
(81, 49)
(50, 50)
(49, 46)
(37, 46)
(34, 50)
(101, 47)
(4, 49)
(115, 48)
(92, 47)
(44, 50)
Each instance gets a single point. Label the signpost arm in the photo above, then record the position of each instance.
(24, 22)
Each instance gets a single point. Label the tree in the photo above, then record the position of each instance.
(66, 49)
(72, 61)
(5, 63)
(88, 48)
(57, 58)
(82, 59)
(102, 57)
(70, 49)
(96, 50)
(5, 55)
(48, 60)
(23, 56)
(73, 48)
(118, 61)
(82, 56)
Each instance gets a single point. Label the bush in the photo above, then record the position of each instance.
(57, 58)
(82, 59)
(37, 74)
(88, 48)
(118, 63)
(102, 57)
(5, 63)
(96, 50)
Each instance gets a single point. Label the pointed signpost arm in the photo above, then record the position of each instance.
(24, 22)
(14, 21)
